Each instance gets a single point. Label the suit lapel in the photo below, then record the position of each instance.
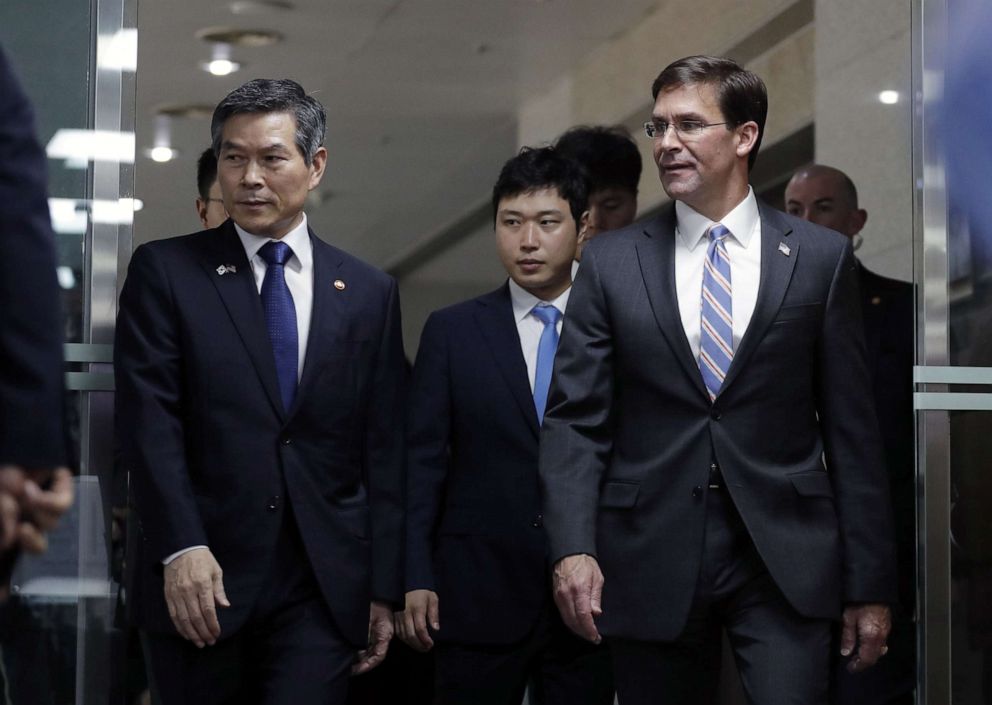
(872, 311)
(776, 273)
(656, 256)
(494, 317)
(330, 310)
(239, 293)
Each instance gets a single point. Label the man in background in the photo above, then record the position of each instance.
(210, 201)
(826, 196)
(476, 569)
(613, 167)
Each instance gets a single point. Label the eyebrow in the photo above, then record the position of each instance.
(273, 147)
(551, 211)
(679, 117)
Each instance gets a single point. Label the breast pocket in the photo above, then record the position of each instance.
(798, 313)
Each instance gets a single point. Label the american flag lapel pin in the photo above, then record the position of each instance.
(784, 249)
(225, 268)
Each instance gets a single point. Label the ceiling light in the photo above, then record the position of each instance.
(889, 97)
(91, 145)
(162, 154)
(239, 37)
(220, 67)
(259, 7)
(189, 111)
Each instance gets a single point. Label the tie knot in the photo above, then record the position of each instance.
(547, 313)
(719, 233)
(275, 252)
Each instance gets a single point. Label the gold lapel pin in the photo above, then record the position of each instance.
(339, 285)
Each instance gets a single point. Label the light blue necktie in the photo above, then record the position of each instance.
(716, 332)
(546, 348)
(280, 318)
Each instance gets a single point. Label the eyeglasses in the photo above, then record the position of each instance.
(683, 128)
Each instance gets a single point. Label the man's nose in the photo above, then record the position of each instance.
(528, 238)
(252, 175)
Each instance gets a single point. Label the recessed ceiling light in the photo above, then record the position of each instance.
(220, 67)
(259, 7)
(889, 97)
(239, 37)
(190, 111)
(162, 154)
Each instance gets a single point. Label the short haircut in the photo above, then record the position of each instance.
(536, 168)
(206, 173)
(266, 95)
(847, 188)
(741, 94)
(609, 155)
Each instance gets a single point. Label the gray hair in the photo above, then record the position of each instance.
(266, 95)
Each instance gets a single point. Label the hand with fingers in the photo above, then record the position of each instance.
(865, 627)
(380, 632)
(578, 591)
(31, 504)
(194, 587)
(421, 610)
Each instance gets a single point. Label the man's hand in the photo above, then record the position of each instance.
(380, 632)
(193, 585)
(411, 623)
(27, 511)
(867, 627)
(578, 590)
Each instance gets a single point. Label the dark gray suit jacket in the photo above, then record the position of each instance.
(630, 432)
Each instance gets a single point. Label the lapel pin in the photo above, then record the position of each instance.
(784, 249)
(225, 268)
(339, 285)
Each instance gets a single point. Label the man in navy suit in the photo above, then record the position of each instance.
(827, 196)
(476, 572)
(710, 456)
(260, 381)
(35, 486)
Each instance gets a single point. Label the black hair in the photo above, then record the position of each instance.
(206, 173)
(608, 153)
(741, 94)
(266, 95)
(536, 168)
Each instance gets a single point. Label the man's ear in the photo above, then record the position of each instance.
(317, 167)
(201, 210)
(858, 220)
(583, 234)
(747, 137)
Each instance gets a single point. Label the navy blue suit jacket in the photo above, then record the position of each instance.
(213, 456)
(31, 405)
(474, 531)
(630, 432)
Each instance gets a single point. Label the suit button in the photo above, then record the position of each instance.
(697, 491)
(286, 441)
(273, 503)
(715, 415)
(538, 521)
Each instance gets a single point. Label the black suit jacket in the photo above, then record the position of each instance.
(630, 433)
(473, 525)
(31, 406)
(213, 456)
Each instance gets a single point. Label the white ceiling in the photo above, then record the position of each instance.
(421, 95)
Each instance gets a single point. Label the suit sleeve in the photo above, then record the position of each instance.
(32, 432)
(852, 444)
(576, 436)
(385, 458)
(429, 424)
(149, 408)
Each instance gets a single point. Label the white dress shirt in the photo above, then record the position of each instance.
(529, 326)
(299, 279)
(743, 251)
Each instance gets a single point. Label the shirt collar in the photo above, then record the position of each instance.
(693, 226)
(523, 301)
(298, 240)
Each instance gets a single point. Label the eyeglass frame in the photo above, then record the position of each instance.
(651, 126)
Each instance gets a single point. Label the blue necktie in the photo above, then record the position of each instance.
(716, 331)
(546, 348)
(280, 318)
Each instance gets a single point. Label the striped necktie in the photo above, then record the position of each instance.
(716, 332)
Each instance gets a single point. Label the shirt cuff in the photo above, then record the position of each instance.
(168, 559)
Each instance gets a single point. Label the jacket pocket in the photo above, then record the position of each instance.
(812, 483)
(797, 312)
(619, 494)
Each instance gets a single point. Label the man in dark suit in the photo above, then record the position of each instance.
(209, 199)
(35, 486)
(260, 392)
(477, 572)
(710, 445)
(826, 196)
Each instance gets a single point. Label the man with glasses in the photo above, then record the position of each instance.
(710, 455)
